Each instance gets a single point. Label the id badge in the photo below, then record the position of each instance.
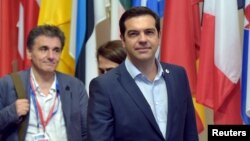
(40, 137)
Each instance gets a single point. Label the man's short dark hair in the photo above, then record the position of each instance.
(135, 12)
(46, 30)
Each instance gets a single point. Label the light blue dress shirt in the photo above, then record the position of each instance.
(155, 92)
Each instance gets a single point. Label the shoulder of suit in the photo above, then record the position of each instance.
(65, 78)
(61, 75)
(171, 66)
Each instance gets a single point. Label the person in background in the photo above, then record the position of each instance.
(110, 55)
(55, 107)
(142, 99)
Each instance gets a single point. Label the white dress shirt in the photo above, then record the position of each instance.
(55, 129)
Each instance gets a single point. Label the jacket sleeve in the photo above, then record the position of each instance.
(100, 122)
(8, 115)
(83, 107)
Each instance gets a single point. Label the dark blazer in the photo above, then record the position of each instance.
(74, 101)
(118, 111)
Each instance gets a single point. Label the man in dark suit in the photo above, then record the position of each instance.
(55, 107)
(142, 99)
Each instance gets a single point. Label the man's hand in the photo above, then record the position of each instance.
(22, 107)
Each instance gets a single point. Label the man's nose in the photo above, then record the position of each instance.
(142, 37)
(51, 53)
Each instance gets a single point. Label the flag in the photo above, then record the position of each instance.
(116, 11)
(17, 19)
(90, 23)
(80, 28)
(155, 5)
(21, 39)
(241, 3)
(218, 84)
(10, 59)
(73, 31)
(28, 18)
(58, 12)
(181, 41)
(87, 68)
(126, 4)
(91, 62)
(245, 79)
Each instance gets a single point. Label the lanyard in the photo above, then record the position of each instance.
(38, 108)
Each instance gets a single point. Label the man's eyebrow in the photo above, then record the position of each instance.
(132, 30)
(43, 46)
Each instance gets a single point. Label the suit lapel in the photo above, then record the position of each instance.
(136, 95)
(65, 95)
(171, 101)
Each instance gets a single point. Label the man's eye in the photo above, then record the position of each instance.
(132, 34)
(57, 50)
(43, 49)
(149, 32)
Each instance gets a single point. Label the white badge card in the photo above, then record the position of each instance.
(40, 137)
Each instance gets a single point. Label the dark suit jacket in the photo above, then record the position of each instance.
(118, 111)
(74, 101)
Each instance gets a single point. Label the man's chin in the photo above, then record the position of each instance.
(50, 70)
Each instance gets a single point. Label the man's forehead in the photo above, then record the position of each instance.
(144, 22)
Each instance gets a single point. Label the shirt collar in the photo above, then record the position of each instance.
(134, 71)
(37, 88)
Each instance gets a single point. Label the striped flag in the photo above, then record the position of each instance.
(86, 68)
(245, 89)
(80, 27)
(91, 70)
(219, 72)
(90, 23)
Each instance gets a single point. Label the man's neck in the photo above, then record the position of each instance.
(148, 68)
(44, 80)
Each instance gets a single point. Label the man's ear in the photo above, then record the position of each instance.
(159, 35)
(28, 52)
(123, 41)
